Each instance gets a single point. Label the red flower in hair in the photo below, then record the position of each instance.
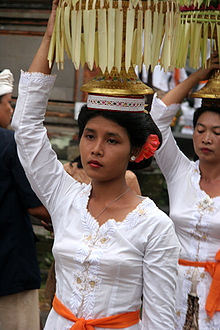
(149, 148)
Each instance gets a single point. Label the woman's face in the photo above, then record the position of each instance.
(206, 137)
(6, 110)
(105, 149)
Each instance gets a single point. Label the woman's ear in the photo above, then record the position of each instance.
(134, 153)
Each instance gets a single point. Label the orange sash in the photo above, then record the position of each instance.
(119, 321)
(213, 299)
(176, 76)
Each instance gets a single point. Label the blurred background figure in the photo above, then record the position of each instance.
(20, 274)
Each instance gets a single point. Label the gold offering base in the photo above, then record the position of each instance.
(212, 89)
(117, 84)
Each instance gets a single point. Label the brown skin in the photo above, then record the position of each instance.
(6, 110)
(132, 182)
(105, 151)
(177, 94)
(108, 143)
(40, 62)
(80, 175)
(40, 212)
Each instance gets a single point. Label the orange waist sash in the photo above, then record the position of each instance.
(213, 299)
(119, 321)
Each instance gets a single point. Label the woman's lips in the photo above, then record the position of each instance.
(206, 150)
(94, 163)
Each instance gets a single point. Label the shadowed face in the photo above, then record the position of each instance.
(6, 110)
(206, 137)
(105, 149)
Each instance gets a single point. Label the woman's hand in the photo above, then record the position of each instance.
(213, 63)
(177, 94)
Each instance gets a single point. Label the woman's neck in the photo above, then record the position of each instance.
(112, 200)
(209, 172)
(107, 190)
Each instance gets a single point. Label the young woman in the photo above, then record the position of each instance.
(111, 247)
(194, 196)
(75, 169)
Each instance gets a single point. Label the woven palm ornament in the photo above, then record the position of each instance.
(200, 20)
(118, 36)
(109, 32)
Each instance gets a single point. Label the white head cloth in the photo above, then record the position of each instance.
(6, 82)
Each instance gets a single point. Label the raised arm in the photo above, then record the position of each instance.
(169, 157)
(172, 162)
(177, 94)
(40, 62)
(44, 171)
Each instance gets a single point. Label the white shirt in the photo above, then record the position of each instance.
(100, 271)
(196, 217)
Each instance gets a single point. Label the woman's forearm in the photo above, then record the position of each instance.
(40, 62)
(177, 94)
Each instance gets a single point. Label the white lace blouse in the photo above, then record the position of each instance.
(100, 271)
(196, 217)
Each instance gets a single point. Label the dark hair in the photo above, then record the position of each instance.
(203, 109)
(138, 126)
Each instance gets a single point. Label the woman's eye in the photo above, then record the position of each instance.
(89, 136)
(200, 131)
(112, 141)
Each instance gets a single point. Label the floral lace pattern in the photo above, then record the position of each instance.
(95, 240)
(206, 205)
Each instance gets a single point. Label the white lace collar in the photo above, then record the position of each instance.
(146, 205)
